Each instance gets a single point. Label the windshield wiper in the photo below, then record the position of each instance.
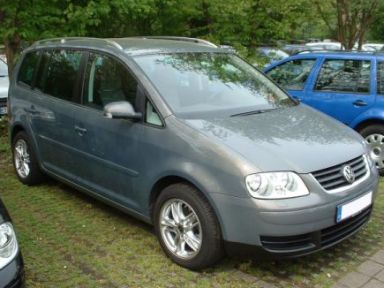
(253, 112)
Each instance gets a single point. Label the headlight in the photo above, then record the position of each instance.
(275, 185)
(8, 244)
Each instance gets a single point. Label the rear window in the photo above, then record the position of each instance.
(28, 68)
(339, 75)
(58, 73)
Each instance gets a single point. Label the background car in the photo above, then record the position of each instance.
(324, 45)
(271, 54)
(11, 262)
(348, 86)
(4, 84)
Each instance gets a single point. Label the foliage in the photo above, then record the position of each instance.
(244, 24)
(349, 20)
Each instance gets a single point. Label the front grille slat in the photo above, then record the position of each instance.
(346, 229)
(326, 237)
(332, 178)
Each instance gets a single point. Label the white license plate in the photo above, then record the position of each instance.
(3, 110)
(352, 208)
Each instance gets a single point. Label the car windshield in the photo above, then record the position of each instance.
(3, 69)
(211, 82)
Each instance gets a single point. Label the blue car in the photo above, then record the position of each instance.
(348, 86)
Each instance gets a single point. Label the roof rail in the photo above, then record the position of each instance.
(186, 39)
(65, 39)
(333, 51)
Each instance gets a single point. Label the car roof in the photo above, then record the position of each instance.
(134, 45)
(338, 53)
(362, 55)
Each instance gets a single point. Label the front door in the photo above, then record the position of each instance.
(293, 76)
(108, 148)
(343, 88)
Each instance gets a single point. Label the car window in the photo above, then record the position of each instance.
(344, 76)
(380, 77)
(58, 73)
(108, 80)
(292, 75)
(151, 115)
(28, 68)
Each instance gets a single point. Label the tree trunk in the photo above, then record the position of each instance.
(12, 47)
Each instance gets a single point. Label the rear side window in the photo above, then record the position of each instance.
(108, 80)
(28, 67)
(351, 76)
(58, 73)
(380, 77)
(292, 75)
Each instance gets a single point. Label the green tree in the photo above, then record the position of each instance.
(349, 19)
(24, 21)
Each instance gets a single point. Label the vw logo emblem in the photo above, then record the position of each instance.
(348, 174)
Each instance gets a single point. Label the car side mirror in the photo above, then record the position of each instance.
(121, 110)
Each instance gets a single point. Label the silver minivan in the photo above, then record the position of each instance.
(192, 139)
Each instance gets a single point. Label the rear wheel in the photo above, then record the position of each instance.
(25, 161)
(374, 137)
(187, 227)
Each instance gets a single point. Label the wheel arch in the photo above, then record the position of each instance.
(368, 122)
(168, 180)
(14, 130)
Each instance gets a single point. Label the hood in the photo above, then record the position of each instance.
(4, 84)
(296, 139)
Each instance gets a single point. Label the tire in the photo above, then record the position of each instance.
(374, 136)
(24, 160)
(205, 227)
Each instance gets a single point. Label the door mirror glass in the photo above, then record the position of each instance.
(121, 110)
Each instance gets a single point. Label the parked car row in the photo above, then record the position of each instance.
(192, 139)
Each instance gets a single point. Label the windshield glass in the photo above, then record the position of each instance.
(211, 82)
(3, 69)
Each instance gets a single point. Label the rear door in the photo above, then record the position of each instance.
(343, 88)
(52, 99)
(293, 76)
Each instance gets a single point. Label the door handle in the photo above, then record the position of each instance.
(359, 103)
(81, 131)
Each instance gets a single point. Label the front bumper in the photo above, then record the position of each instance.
(286, 228)
(12, 275)
(300, 245)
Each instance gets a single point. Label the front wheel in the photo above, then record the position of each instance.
(187, 228)
(374, 137)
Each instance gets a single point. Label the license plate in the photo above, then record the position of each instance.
(353, 207)
(3, 110)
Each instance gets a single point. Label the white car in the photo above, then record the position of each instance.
(4, 84)
(325, 45)
(372, 47)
